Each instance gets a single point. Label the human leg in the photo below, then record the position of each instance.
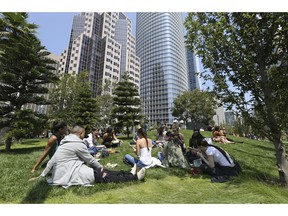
(130, 160)
(107, 176)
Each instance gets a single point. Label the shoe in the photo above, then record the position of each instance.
(141, 174)
(134, 169)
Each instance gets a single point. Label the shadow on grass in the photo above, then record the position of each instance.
(23, 150)
(38, 193)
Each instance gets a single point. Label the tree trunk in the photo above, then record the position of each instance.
(8, 143)
(282, 162)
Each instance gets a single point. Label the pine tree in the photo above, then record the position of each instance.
(24, 69)
(126, 105)
(85, 110)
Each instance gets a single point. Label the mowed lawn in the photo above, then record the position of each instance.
(257, 184)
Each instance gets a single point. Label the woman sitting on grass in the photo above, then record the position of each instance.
(217, 162)
(59, 129)
(109, 138)
(172, 155)
(219, 136)
(143, 151)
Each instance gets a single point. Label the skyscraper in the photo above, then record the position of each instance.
(95, 45)
(193, 70)
(160, 46)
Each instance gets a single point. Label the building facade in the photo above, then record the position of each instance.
(95, 45)
(160, 46)
(193, 71)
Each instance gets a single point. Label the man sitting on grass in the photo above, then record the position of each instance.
(73, 165)
(217, 162)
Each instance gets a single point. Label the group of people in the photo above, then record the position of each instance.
(72, 161)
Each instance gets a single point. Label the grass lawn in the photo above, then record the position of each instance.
(257, 184)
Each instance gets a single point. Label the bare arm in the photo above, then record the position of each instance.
(50, 143)
(138, 148)
(209, 161)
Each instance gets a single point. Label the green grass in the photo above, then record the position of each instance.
(257, 183)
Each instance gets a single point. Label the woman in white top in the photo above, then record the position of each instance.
(143, 151)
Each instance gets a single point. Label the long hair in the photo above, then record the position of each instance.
(58, 125)
(143, 133)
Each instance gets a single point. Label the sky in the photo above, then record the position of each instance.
(55, 27)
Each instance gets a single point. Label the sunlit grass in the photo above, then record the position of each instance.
(257, 184)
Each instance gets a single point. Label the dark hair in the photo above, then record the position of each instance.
(143, 133)
(195, 139)
(109, 130)
(58, 125)
(217, 128)
(203, 143)
(160, 131)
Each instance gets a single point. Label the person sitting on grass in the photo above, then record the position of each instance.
(143, 151)
(219, 136)
(73, 165)
(217, 162)
(59, 129)
(110, 139)
(172, 155)
(91, 141)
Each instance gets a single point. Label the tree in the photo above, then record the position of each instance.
(126, 105)
(24, 69)
(105, 103)
(72, 99)
(196, 105)
(85, 108)
(247, 55)
(62, 98)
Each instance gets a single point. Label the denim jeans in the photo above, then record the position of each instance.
(160, 156)
(131, 160)
(92, 150)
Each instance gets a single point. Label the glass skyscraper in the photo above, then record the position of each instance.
(160, 46)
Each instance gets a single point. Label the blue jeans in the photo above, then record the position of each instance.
(160, 156)
(131, 160)
(93, 150)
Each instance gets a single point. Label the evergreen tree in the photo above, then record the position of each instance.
(24, 69)
(85, 110)
(126, 105)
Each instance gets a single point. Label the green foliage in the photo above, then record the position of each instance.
(199, 106)
(105, 103)
(126, 105)
(73, 100)
(257, 184)
(247, 56)
(24, 69)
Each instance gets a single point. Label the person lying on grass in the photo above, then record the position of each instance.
(217, 162)
(59, 129)
(72, 164)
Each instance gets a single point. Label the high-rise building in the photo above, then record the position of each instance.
(160, 46)
(102, 44)
(193, 70)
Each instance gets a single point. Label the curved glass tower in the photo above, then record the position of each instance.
(160, 46)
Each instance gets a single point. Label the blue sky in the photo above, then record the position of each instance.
(54, 28)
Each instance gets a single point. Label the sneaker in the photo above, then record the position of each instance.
(134, 169)
(141, 174)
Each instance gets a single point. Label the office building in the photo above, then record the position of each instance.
(160, 46)
(193, 70)
(103, 45)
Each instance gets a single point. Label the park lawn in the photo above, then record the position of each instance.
(257, 184)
